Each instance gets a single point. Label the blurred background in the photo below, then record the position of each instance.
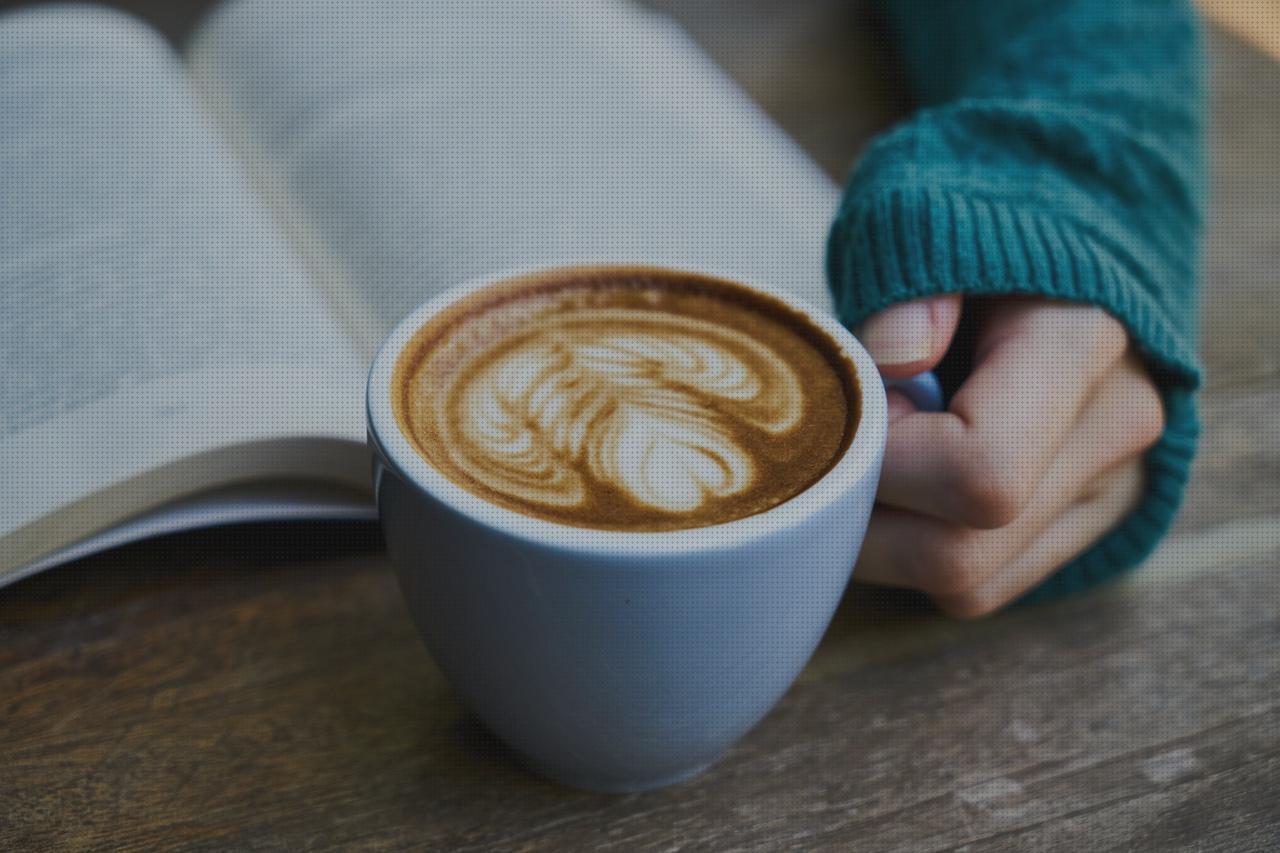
(819, 67)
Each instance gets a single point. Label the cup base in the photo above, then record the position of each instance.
(614, 786)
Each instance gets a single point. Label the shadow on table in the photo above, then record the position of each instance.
(235, 555)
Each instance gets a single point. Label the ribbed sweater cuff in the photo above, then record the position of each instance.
(897, 244)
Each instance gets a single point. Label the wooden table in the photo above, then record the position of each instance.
(262, 687)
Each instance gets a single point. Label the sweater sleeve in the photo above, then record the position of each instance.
(1057, 152)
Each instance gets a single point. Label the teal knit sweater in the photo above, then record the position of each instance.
(1057, 152)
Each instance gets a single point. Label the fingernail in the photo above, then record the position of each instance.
(899, 334)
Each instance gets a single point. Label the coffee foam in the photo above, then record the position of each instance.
(626, 399)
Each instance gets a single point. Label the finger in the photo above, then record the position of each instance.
(1117, 494)
(911, 337)
(979, 463)
(903, 548)
(899, 404)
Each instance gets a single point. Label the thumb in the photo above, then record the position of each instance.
(911, 337)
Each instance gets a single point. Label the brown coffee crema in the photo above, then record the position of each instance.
(626, 398)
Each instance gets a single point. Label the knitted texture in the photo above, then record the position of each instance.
(1058, 153)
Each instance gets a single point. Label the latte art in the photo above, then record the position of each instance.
(626, 398)
(646, 402)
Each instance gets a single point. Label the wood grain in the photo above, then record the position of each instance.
(289, 703)
(263, 688)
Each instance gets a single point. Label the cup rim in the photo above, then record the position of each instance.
(860, 458)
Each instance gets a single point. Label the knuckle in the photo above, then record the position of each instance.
(992, 492)
(955, 564)
(1120, 490)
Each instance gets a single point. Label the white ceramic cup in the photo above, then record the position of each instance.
(610, 660)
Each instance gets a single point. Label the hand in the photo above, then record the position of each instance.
(1038, 455)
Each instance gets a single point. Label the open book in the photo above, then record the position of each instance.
(198, 258)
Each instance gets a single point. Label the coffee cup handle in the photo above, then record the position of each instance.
(923, 390)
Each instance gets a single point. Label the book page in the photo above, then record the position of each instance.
(154, 321)
(415, 145)
(242, 503)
